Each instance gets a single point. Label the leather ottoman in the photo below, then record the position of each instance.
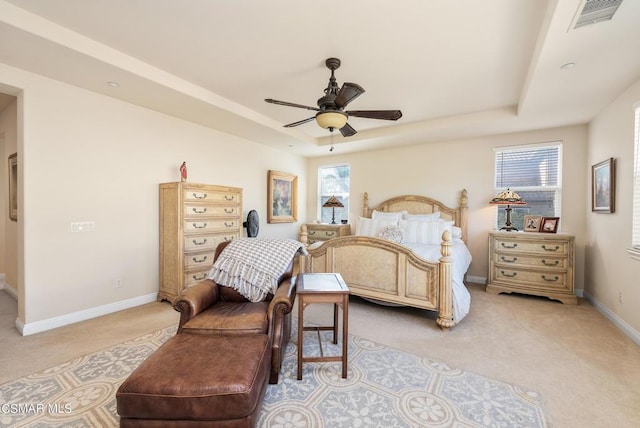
(198, 380)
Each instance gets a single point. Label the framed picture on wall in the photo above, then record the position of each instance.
(532, 223)
(282, 199)
(603, 182)
(13, 187)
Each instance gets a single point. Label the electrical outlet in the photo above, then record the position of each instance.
(620, 297)
(118, 282)
(84, 226)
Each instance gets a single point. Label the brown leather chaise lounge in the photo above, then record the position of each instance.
(209, 308)
(214, 372)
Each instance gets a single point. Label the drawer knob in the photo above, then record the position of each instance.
(556, 248)
(199, 195)
(509, 246)
(554, 279)
(199, 277)
(229, 210)
(330, 233)
(202, 260)
(229, 224)
(228, 197)
(199, 226)
(311, 232)
(511, 275)
(204, 241)
(513, 260)
(197, 211)
(546, 263)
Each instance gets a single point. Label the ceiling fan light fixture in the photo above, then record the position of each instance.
(331, 119)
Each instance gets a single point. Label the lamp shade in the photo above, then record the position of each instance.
(331, 119)
(332, 202)
(507, 197)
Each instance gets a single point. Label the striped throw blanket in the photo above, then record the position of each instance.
(252, 266)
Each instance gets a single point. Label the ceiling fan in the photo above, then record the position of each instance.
(331, 114)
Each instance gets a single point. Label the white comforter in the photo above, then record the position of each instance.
(461, 262)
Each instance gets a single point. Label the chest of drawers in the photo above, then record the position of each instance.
(194, 219)
(323, 232)
(540, 264)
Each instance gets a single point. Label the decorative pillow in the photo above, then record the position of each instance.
(425, 217)
(392, 233)
(381, 215)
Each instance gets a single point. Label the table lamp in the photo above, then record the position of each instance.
(333, 203)
(508, 198)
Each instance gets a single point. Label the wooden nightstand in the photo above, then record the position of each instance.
(313, 232)
(541, 264)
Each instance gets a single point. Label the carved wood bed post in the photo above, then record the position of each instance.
(464, 208)
(304, 235)
(445, 306)
(365, 205)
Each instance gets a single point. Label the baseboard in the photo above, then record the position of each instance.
(476, 279)
(51, 323)
(615, 319)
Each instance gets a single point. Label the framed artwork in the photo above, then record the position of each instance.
(603, 194)
(549, 224)
(282, 197)
(532, 223)
(13, 187)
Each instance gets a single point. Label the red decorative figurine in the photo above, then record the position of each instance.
(183, 171)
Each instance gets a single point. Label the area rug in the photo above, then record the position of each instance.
(385, 387)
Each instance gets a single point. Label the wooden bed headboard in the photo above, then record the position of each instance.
(415, 204)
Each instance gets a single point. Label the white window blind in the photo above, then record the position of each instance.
(635, 238)
(333, 180)
(535, 173)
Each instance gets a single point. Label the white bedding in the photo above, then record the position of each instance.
(461, 262)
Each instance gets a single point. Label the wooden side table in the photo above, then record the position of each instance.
(323, 288)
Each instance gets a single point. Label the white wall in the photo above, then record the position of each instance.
(87, 157)
(441, 170)
(609, 269)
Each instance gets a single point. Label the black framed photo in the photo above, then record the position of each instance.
(603, 182)
(549, 224)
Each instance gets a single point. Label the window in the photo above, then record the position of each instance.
(333, 181)
(635, 236)
(533, 172)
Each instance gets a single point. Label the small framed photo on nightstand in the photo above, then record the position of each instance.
(532, 223)
(549, 224)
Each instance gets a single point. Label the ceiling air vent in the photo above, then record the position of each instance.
(594, 11)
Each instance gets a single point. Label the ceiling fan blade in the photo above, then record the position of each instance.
(376, 114)
(347, 130)
(300, 122)
(284, 103)
(348, 93)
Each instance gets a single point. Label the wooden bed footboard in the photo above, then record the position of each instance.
(380, 269)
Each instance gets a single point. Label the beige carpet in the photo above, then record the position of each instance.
(587, 371)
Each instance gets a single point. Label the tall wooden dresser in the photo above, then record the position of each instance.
(194, 219)
(541, 264)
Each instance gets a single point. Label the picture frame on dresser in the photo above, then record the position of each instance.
(532, 223)
(549, 224)
(603, 182)
(282, 197)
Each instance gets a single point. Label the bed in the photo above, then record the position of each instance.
(402, 263)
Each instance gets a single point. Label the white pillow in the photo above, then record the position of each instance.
(456, 232)
(425, 217)
(364, 226)
(395, 216)
(425, 232)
